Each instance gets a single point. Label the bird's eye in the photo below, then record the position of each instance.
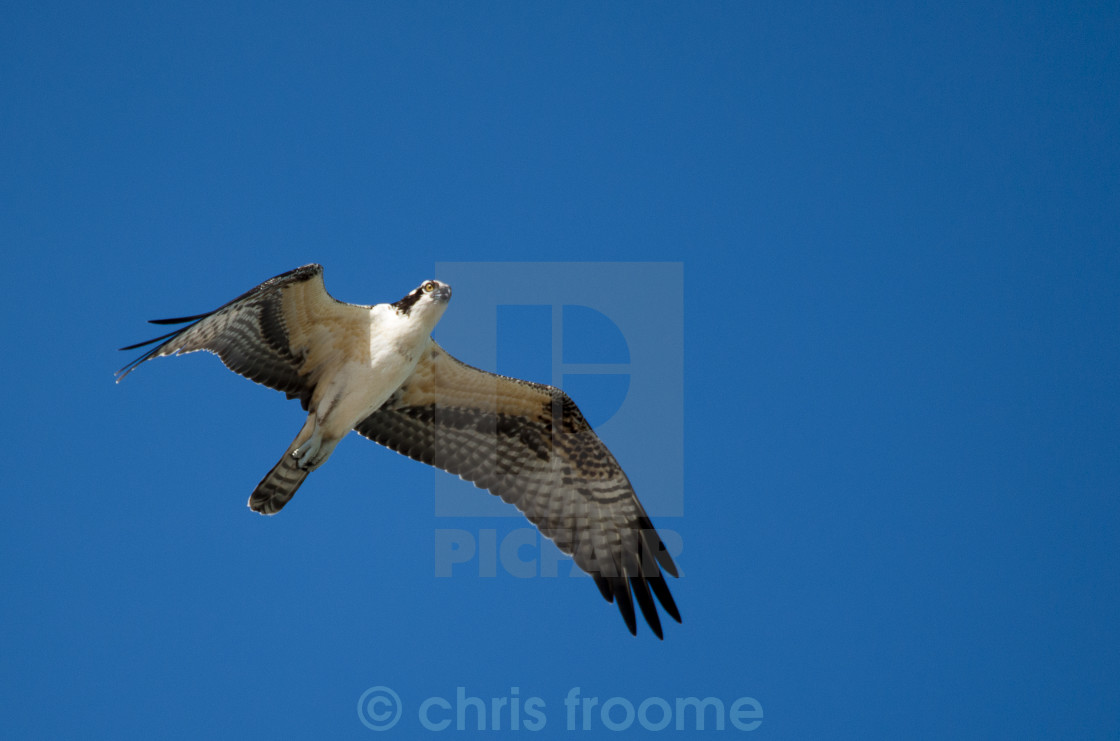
(428, 287)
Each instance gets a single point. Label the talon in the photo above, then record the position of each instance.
(306, 454)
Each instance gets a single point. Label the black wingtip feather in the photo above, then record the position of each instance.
(604, 588)
(645, 603)
(181, 319)
(641, 581)
(148, 342)
(653, 542)
(119, 375)
(661, 591)
(625, 605)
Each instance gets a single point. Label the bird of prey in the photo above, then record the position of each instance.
(375, 369)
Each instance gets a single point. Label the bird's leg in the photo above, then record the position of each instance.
(314, 451)
(306, 452)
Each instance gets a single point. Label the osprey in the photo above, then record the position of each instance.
(375, 369)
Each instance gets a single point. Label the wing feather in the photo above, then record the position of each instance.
(529, 444)
(264, 334)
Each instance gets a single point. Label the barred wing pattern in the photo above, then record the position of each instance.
(529, 444)
(259, 335)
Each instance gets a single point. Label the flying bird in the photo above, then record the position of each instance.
(377, 370)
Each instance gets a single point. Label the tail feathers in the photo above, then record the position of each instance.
(275, 489)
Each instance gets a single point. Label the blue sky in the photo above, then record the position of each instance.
(886, 420)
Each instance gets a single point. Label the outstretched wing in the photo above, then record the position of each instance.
(529, 444)
(267, 334)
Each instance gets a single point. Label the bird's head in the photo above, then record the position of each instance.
(426, 302)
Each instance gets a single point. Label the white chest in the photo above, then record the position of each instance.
(359, 385)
